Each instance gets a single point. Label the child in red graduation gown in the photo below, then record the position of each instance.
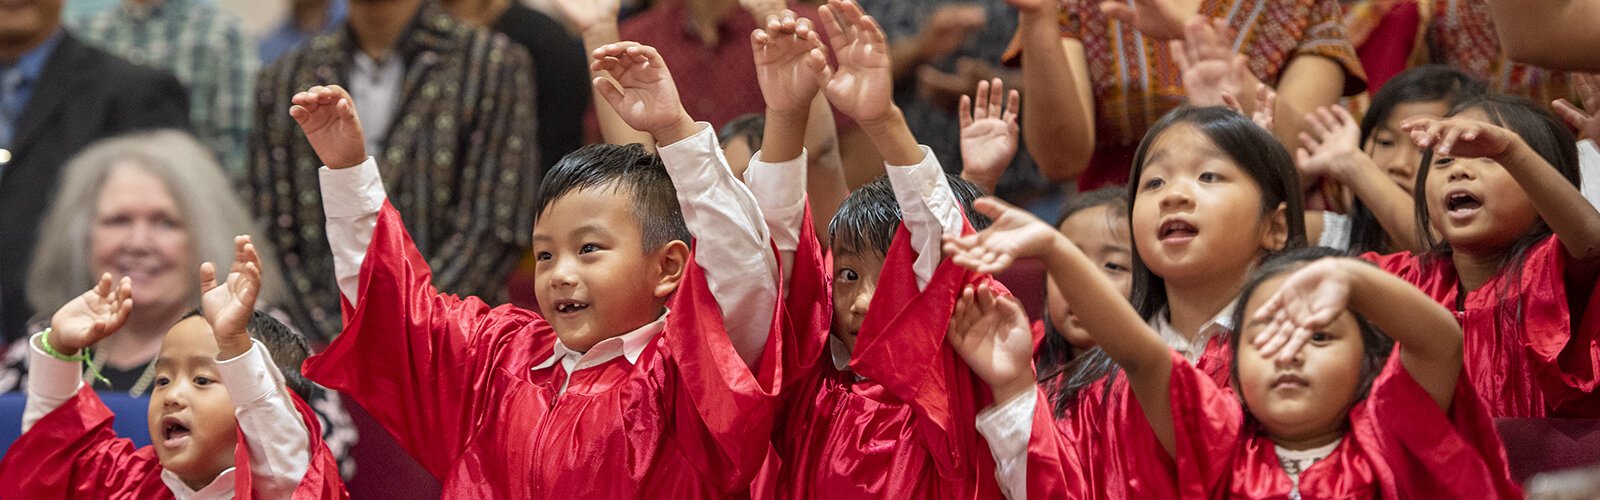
(1516, 257)
(223, 422)
(881, 408)
(648, 371)
(1324, 411)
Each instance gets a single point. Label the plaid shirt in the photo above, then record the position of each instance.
(202, 46)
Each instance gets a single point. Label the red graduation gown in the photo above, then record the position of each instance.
(1525, 351)
(907, 429)
(453, 381)
(1399, 444)
(74, 453)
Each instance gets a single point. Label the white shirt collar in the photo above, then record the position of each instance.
(1191, 349)
(220, 488)
(628, 345)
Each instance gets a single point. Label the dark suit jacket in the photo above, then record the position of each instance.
(84, 94)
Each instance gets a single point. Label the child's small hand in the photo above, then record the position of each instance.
(1335, 147)
(92, 316)
(1587, 122)
(1210, 68)
(328, 117)
(643, 94)
(1308, 301)
(1159, 19)
(229, 305)
(586, 14)
(992, 334)
(789, 62)
(862, 87)
(948, 28)
(1015, 234)
(988, 133)
(1460, 137)
(1266, 100)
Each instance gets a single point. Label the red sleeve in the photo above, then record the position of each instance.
(1433, 453)
(1054, 466)
(1405, 265)
(1207, 423)
(1563, 345)
(418, 360)
(722, 412)
(807, 310)
(322, 479)
(74, 453)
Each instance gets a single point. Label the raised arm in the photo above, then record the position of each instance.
(1331, 148)
(596, 21)
(1558, 202)
(789, 61)
(1313, 297)
(988, 133)
(1557, 34)
(279, 444)
(55, 358)
(1058, 119)
(1113, 323)
(731, 239)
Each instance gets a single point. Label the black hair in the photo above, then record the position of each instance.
(624, 169)
(1428, 83)
(1375, 345)
(867, 220)
(289, 349)
(1259, 155)
(750, 126)
(1055, 352)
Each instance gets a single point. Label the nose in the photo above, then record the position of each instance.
(1459, 171)
(1402, 167)
(175, 397)
(1176, 196)
(563, 272)
(1293, 362)
(863, 299)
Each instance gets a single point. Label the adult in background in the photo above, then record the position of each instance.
(447, 109)
(56, 96)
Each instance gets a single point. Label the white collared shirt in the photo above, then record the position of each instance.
(1192, 348)
(1589, 166)
(375, 91)
(279, 443)
(628, 345)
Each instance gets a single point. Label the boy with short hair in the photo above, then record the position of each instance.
(649, 370)
(222, 420)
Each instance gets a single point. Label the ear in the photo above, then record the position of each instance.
(671, 260)
(1275, 234)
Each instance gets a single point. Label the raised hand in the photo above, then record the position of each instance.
(948, 28)
(988, 133)
(229, 305)
(992, 334)
(643, 94)
(92, 316)
(1210, 67)
(328, 117)
(790, 62)
(862, 86)
(1033, 6)
(1587, 122)
(1307, 302)
(1460, 137)
(1334, 149)
(1015, 234)
(586, 14)
(1159, 19)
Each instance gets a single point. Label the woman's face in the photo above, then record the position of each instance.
(138, 231)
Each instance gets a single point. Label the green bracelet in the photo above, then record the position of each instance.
(81, 356)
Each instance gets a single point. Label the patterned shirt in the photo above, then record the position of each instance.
(1462, 35)
(460, 160)
(202, 46)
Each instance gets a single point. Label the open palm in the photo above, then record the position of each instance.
(93, 316)
(1460, 137)
(992, 334)
(988, 132)
(229, 305)
(789, 58)
(862, 87)
(1337, 139)
(1210, 68)
(1307, 301)
(1014, 234)
(643, 94)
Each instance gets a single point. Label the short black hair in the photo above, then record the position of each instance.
(752, 127)
(289, 349)
(624, 169)
(869, 217)
(1427, 83)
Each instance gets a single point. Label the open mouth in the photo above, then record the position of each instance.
(1177, 230)
(173, 432)
(1289, 380)
(1462, 204)
(570, 306)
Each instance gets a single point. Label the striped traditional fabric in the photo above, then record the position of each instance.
(460, 161)
(1462, 35)
(202, 46)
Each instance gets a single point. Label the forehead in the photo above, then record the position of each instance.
(1183, 142)
(607, 208)
(128, 185)
(1415, 109)
(858, 261)
(1097, 225)
(190, 339)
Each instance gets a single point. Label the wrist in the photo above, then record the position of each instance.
(344, 163)
(882, 124)
(680, 129)
(599, 33)
(57, 349)
(232, 345)
(983, 180)
(1514, 153)
(1006, 390)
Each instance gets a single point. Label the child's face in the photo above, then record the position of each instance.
(191, 418)
(592, 276)
(1102, 235)
(855, 279)
(1197, 214)
(1475, 204)
(1306, 399)
(139, 232)
(1391, 148)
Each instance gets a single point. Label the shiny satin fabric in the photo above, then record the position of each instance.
(74, 453)
(1526, 353)
(453, 381)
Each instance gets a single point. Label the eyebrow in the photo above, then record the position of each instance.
(198, 359)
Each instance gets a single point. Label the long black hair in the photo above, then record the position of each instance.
(1055, 352)
(1261, 157)
(1429, 83)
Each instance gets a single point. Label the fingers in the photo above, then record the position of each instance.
(1451, 135)
(1180, 54)
(997, 97)
(1315, 120)
(833, 25)
(1120, 12)
(992, 207)
(1013, 107)
(208, 276)
(609, 91)
(981, 107)
(1574, 116)
(1232, 103)
(964, 111)
(1345, 119)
